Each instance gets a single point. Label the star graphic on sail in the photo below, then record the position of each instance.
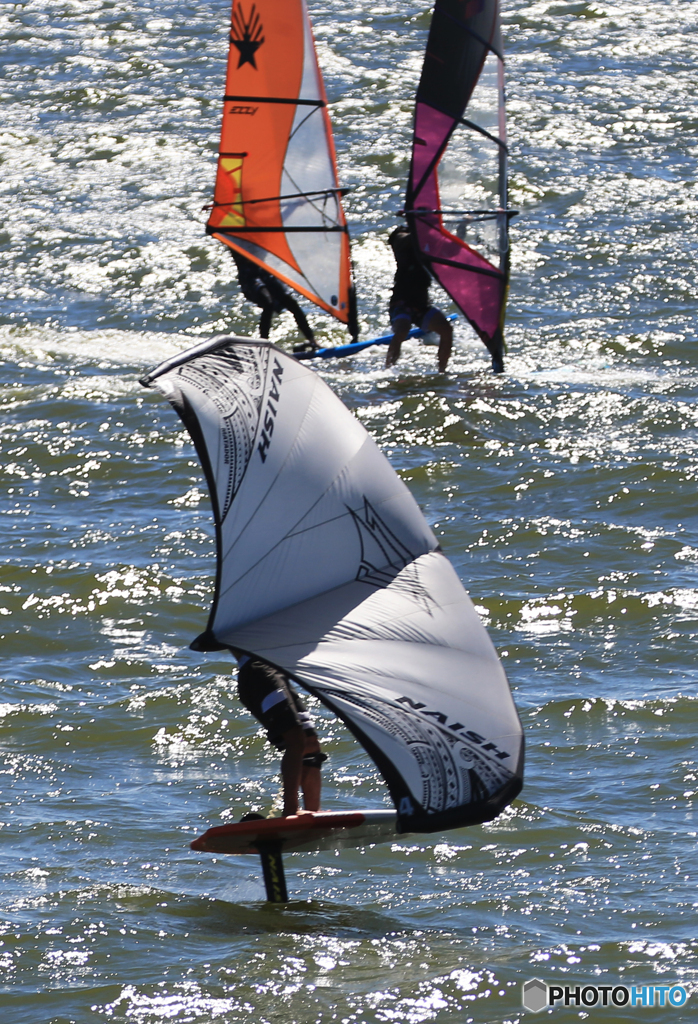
(246, 35)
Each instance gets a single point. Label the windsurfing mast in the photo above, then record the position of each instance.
(277, 199)
(463, 57)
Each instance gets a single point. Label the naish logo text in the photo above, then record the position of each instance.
(457, 727)
(247, 35)
(270, 410)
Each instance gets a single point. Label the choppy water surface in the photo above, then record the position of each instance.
(563, 491)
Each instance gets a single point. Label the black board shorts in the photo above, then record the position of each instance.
(266, 693)
(420, 316)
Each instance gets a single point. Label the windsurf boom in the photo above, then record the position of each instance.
(277, 199)
(328, 570)
(340, 351)
(463, 68)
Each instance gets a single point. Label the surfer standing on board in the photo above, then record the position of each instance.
(267, 694)
(409, 303)
(267, 292)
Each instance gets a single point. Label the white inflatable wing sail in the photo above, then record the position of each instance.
(328, 570)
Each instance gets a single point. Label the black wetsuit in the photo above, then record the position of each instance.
(267, 292)
(410, 295)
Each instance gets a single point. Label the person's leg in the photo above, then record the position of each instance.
(311, 780)
(292, 768)
(265, 322)
(300, 318)
(300, 770)
(266, 304)
(265, 691)
(435, 321)
(401, 328)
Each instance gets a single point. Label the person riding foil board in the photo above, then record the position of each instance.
(266, 692)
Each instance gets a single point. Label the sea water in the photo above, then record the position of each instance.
(563, 491)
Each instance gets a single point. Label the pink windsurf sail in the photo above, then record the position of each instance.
(456, 202)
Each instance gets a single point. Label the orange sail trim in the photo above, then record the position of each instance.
(277, 198)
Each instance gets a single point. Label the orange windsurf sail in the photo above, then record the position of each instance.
(277, 199)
